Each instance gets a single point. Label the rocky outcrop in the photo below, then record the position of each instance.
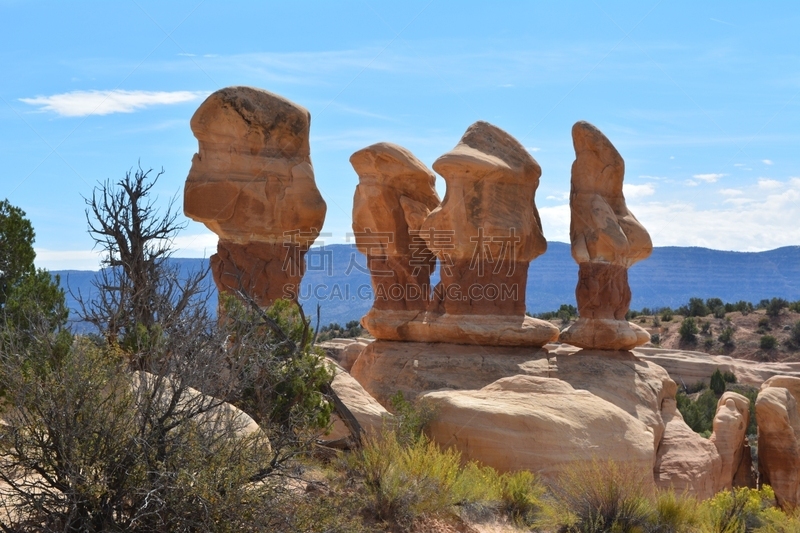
(344, 351)
(252, 183)
(729, 436)
(688, 368)
(505, 406)
(779, 438)
(685, 461)
(369, 413)
(539, 424)
(606, 240)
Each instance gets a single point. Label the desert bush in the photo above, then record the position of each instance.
(655, 338)
(688, 330)
(726, 337)
(717, 383)
(406, 481)
(794, 335)
(698, 414)
(705, 327)
(522, 497)
(410, 418)
(768, 342)
(118, 453)
(666, 314)
(656, 322)
(674, 513)
(597, 496)
(333, 331)
(736, 511)
(775, 306)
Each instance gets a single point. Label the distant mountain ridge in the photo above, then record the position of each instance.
(336, 278)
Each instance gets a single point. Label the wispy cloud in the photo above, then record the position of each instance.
(632, 191)
(767, 161)
(533, 149)
(769, 185)
(83, 103)
(731, 192)
(708, 178)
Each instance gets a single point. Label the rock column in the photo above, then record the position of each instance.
(252, 183)
(606, 240)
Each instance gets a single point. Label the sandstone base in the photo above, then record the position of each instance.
(604, 334)
(484, 330)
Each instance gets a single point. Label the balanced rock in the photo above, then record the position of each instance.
(394, 195)
(779, 438)
(606, 240)
(252, 183)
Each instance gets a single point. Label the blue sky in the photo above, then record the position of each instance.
(701, 99)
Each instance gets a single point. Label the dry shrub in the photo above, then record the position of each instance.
(596, 496)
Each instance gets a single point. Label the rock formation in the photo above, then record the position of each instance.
(779, 438)
(606, 240)
(517, 408)
(368, 412)
(484, 234)
(689, 367)
(538, 423)
(252, 184)
(395, 194)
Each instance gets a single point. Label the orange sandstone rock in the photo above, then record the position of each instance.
(252, 183)
(606, 240)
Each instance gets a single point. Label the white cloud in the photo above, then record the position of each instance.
(198, 245)
(708, 178)
(533, 148)
(632, 191)
(738, 164)
(691, 183)
(82, 103)
(731, 192)
(559, 196)
(766, 161)
(769, 185)
(67, 259)
(555, 222)
(765, 220)
(655, 178)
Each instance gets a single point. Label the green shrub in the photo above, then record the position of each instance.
(522, 495)
(688, 330)
(736, 511)
(775, 306)
(726, 337)
(410, 418)
(698, 414)
(697, 307)
(655, 338)
(705, 327)
(794, 335)
(768, 342)
(717, 383)
(666, 314)
(674, 513)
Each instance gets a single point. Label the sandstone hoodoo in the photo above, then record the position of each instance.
(252, 183)
(606, 240)
(484, 234)
(395, 194)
